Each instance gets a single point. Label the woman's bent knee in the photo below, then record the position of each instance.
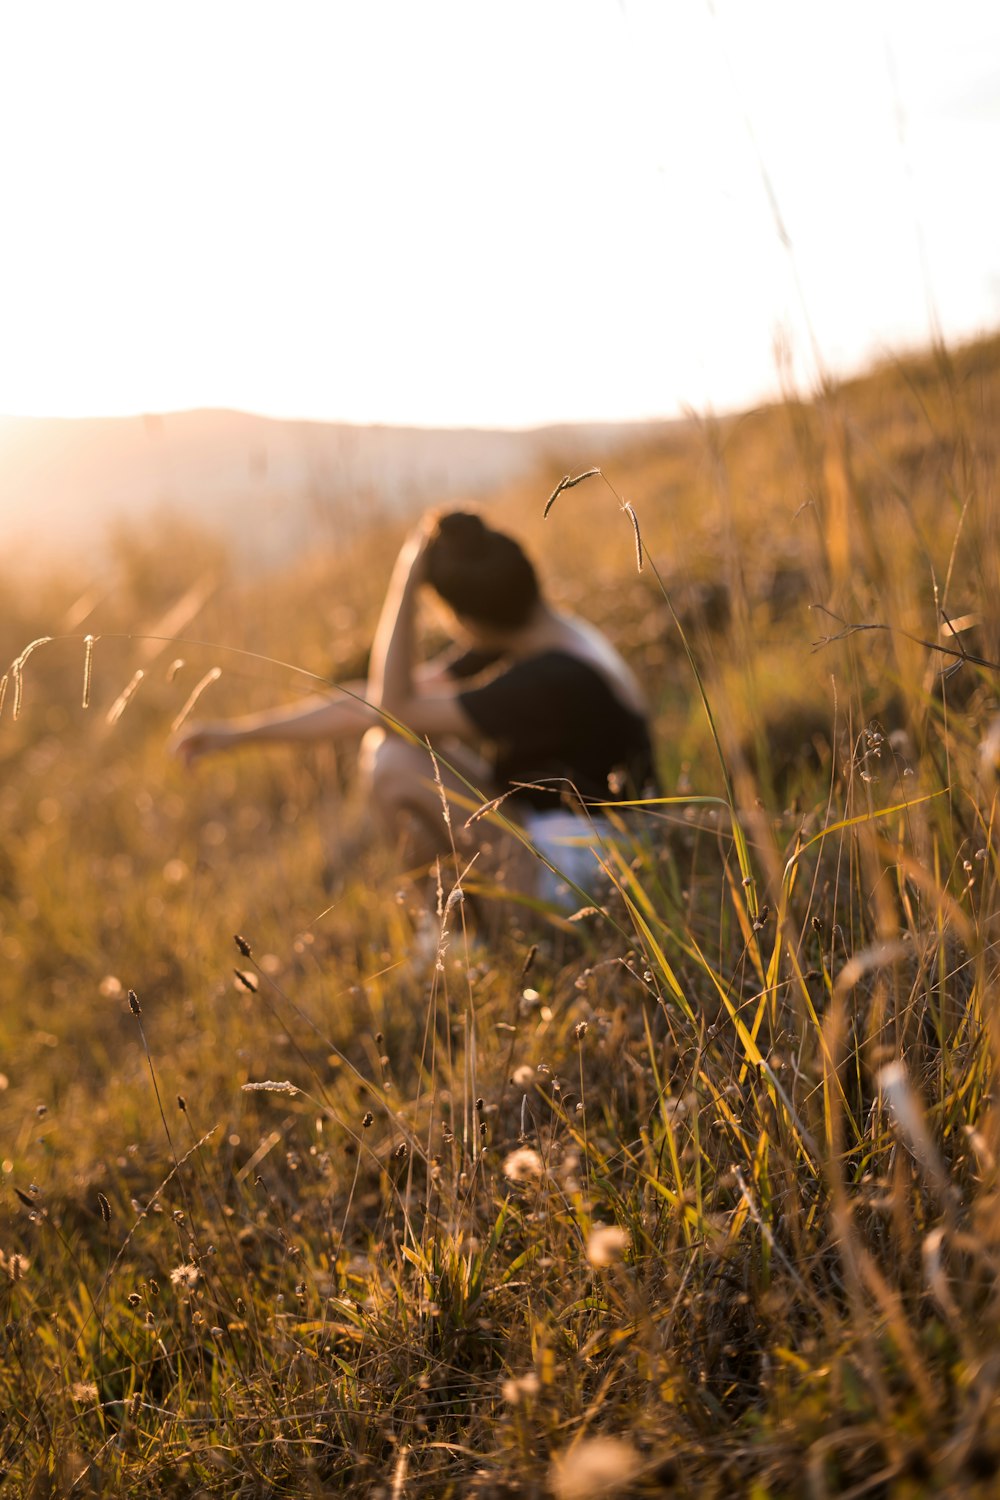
(369, 750)
(394, 771)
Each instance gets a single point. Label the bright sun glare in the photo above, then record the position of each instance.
(481, 214)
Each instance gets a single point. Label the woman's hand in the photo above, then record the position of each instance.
(412, 554)
(198, 740)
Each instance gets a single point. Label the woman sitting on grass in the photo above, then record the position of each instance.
(545, 695)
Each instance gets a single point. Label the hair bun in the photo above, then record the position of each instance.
(481, 573)
(463, 532)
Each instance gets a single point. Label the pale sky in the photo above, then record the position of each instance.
(478, 213)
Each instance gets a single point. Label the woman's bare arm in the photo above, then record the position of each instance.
(390, 669)
(427, 708)
(396, 692)
(344, 717)
(334, 719)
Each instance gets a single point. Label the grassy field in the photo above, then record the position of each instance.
(695, 1194)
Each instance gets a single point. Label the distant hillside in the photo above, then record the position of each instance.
(274, 486)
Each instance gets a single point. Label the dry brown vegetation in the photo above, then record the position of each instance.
(694, 1195)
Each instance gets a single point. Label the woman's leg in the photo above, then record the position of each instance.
(406, 797)
(407, 802)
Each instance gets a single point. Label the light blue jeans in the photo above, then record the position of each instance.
(573, 844)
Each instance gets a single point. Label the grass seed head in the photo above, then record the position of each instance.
(88, 667)
(13, 1266)
(637, 534)
(567, 483)
(564, 481)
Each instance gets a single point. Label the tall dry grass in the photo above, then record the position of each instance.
(694, 1194)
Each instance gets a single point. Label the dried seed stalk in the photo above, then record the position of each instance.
(88, 667)
(212, 675)
(567, 483)
(638, 538)
(487, 808)
(17, 673)
(125, 697)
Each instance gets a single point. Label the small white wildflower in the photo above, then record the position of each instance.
(186, 1275)
(606, 1245)
(83, 1390)
(989, 754)
(523, 1077)
(569, 1171)
(517, 1389)
(524, 1165)
(269, 1086)
(598, 1466)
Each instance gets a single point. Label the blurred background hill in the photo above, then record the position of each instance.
(270, 487)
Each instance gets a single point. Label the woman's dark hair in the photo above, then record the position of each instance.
(481, 573)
